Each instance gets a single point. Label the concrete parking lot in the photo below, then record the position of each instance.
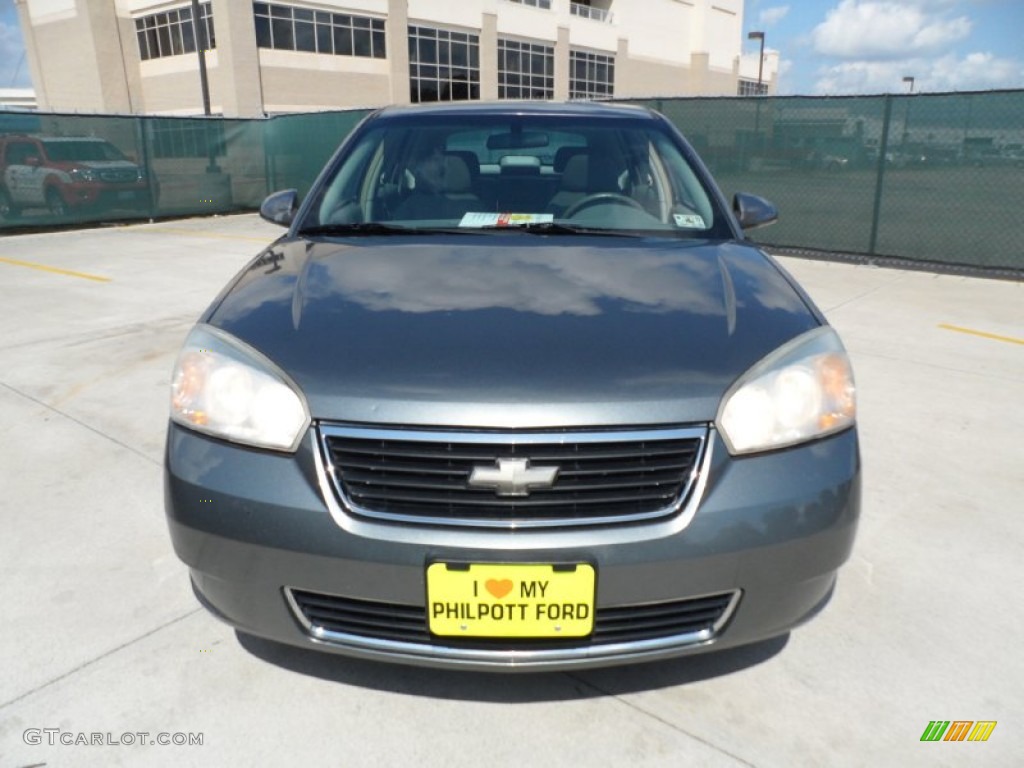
(101, 639)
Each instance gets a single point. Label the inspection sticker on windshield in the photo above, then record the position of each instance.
(510, 600)
(505, 219)
(689, 220)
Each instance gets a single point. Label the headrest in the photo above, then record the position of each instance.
(472, 162)
(563, 155)
(574, 177)
(456, 174)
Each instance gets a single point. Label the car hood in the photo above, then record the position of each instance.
(513, 330)
(103, 165)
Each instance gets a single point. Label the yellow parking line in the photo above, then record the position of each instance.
(55, 270)
(197, 233)
(1008, 339)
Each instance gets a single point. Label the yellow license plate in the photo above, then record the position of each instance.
(514, 600)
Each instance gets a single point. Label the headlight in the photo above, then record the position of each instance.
(801, 391)
(82, 174)
(227, 389)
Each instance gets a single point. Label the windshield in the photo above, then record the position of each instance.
(82, 151)
(565, 173)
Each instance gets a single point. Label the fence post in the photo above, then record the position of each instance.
(883, 150)
(145, 161)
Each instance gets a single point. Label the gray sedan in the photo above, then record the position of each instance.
(513, 392)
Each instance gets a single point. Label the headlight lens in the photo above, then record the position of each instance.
(227, 389)
(802, 391)
(82, 174)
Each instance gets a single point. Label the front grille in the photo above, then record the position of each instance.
(322, 613)
(423, 477)
(119, 176)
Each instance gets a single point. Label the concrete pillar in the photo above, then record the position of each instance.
(397, 30)
(108, 48)
(700, 65)
(32, 55)
(489, 57)
(621, 68)
(132, 59)
(236, 77)
(562, 65)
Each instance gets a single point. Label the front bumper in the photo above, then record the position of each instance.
(769, 534)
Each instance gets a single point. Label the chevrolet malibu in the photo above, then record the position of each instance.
(513, 392)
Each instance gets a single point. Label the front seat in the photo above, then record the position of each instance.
(450, 200)
(573, 185)
(458, 188)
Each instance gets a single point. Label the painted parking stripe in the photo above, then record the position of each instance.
(972, 332)
(55, 270)
(196, 233)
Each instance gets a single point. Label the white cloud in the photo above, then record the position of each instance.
(881, 29)
(975, 71)
(771, 16)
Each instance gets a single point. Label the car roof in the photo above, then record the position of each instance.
(567, 109)
(73, 138)
(37, 137)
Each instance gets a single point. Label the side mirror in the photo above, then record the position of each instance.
(753, 211)
(33, 161)
(281, 207)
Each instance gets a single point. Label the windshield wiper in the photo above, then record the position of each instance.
(558, 228)
(379, 228)
(356, 228)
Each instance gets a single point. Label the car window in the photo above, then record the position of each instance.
(70, 151)
(18, 151)
(615, 174)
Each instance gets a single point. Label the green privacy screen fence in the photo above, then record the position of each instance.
(929, 177)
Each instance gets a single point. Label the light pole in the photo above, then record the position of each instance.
(199, 35)
(760, 60)
(760, 79)
(906, 114)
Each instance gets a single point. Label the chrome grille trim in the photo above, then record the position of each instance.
(119, 176)
(450, 655)
(498, 440)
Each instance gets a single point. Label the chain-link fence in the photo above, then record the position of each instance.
(930, 177)
(61, 169)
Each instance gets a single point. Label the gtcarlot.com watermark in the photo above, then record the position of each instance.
(55, 736)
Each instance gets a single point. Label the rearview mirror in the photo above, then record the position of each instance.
(518, 140)
(753, 211)
(280, 207)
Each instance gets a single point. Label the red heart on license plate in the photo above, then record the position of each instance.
(499, 588)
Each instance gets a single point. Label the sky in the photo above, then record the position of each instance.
(833, 47)
(826, 46)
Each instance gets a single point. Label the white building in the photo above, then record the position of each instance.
(17, 98)
(139, 56)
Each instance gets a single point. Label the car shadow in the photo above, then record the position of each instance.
(511, 688)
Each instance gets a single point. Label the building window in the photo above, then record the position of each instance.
(545, 4)
(525, 70)
(171, 33)
(443, 65)
(186, 138)
(751, 88)
(301, 29)
(591, 75)
(587, 11)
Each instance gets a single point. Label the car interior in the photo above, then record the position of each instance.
(627, 179)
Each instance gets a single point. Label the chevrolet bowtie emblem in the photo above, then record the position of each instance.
(513, 477)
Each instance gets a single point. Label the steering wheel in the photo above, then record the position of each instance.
(596, 199)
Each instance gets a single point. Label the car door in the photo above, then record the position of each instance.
(23, 179)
